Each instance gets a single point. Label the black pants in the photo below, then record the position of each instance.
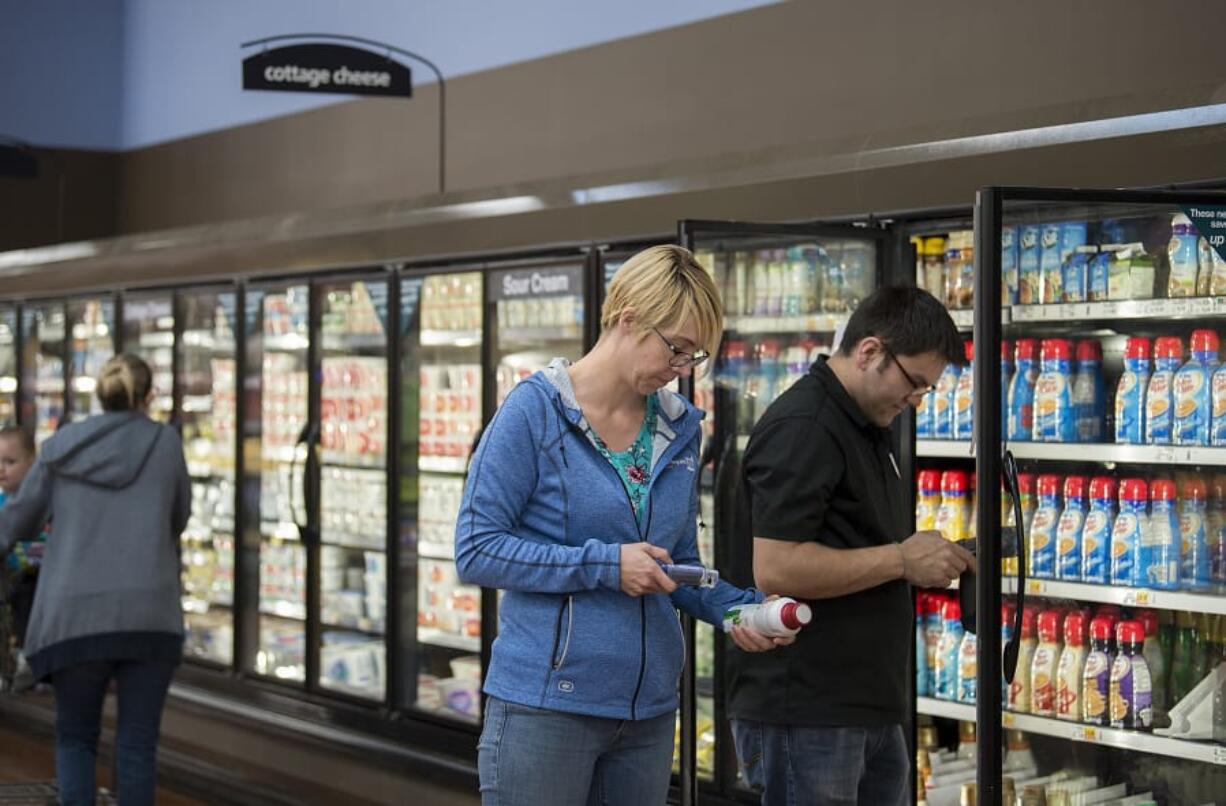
(21, 602)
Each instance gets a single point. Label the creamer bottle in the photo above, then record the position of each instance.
(923, 416)
(1130, 393)
(1181, 253)
(1214, 263)
(1131, 527)
(1096, 679)
(1019, 689)
(943, 403)
(1043, 665)
(1195, 570)
(1131, 698)
(1008, 265)
(964, 397)
(1042, 561)
(780, 617)
(1160, 395)
(1070, 528)
(1071, 667)
(1217, 404)
(1006, 377)
(968, 668)
(954, 511)
(1160, 544)
(932, 636)
(1025, 490)
(921, 647)
(1096, 534)
(1089, 394)
(1054, 417)
(1051, 276)
(1028, 266)
(1193, 401)
(1215, 534)
(927, 500)
(1152, 652)
(1021, 392)
(947, 651)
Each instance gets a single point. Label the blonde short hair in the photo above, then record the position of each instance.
(124, 383)
(667, 287)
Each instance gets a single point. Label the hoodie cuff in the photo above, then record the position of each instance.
(610, 559)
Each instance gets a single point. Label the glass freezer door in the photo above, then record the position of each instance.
(538, 311)
(91, 325)
(8, 364)
(208, 378)
(42, 367)
(353, 486)
(149, 332)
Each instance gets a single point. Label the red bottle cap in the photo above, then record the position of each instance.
(1149, 621)
(930, 481)
(953, 481)
(1075, 629)
(951, 610)
(795, 615)
(1026, 349)
(1102, 487)
(1101, 628)
(1089, 350)
(1049, 625)
(1162, 490)
(969, 348)
(1007, 609)
(1025, 482)
(1168, 347)
(1129, 632)
(1049, 485)
(767, 349)
(1056, 349)
(1204, 341)
(1029, 615)
(1137, 347)
(1193, 489)
(1134, 490)
(932, 603)
(1006, 350)
(1075, 487)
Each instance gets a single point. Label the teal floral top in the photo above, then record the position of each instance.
(633, 465)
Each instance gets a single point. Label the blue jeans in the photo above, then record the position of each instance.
(79, 692)
(533, 757)
(796, 765)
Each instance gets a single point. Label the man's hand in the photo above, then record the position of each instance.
(931, 561)
(750, 640)
(641, 572)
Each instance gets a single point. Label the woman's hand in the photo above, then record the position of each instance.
(641, 572)
(751, 640)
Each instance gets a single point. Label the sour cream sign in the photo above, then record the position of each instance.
(540, 282)
(336, 69)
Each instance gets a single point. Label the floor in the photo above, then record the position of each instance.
(29, 758)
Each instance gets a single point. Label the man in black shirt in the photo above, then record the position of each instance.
(820, 722)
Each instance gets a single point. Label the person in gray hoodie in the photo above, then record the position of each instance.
(116, 490)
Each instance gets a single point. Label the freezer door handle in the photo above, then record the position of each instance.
(300, 484)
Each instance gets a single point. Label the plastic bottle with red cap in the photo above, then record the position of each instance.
(1160, 394)
(779, 617)
(1130, 530)
(1193, 398)
(943, 402)
(1041, 563)
(1096, 678)
(1152, 650)
(1054, 417)
(927, 500)
(968, 668)
(1044, 664)
(1130, 393)
(1089, 393)
(953, 516)
(1159, 554)
(1196, 570)
(1070, 667)
(1019, 689)
(1131, 698)
(1021, 392)
(1096, 534)
(1025, 491)
(946, 681)
(1069, 530)
(964, 397)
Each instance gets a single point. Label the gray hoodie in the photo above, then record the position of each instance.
(116, 490)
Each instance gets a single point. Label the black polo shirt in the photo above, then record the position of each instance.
(817, 469)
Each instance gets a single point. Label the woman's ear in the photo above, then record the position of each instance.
(627, 321)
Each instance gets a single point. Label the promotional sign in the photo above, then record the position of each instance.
(336, 69)
(1210, 221)
(539, 282)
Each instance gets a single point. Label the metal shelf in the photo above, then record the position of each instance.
(436, 637)
(443, 464)
(964, 319)
(1190, 308)
(946, 709)
(945, 449)
(1203, 752)
(1125, 597)
(1118, 453)
(538, 335)
(450, 338)
(806, 323)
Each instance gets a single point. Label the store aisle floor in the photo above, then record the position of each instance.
(27, 758)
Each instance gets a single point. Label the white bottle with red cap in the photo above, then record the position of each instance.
(1193, 395)
(1044, 665)
(777, 618)
(1055, 419)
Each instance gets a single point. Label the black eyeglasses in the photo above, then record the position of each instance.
(917, 388)
(680, 357)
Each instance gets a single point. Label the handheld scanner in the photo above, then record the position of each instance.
(696, 575)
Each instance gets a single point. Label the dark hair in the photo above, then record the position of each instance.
(124, 383)
(909, 320)
(23, 436)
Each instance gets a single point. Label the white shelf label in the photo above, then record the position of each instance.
(1219, 755)
(1086, 733)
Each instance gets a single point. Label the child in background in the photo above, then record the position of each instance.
(20, 567)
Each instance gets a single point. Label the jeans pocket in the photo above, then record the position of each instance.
(747, 736)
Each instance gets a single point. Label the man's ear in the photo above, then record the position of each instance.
(867, 352)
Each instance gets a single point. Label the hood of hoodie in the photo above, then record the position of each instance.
(108, 450)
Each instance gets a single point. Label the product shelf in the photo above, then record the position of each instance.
(443, 464)
(944, 449)
(946, 709)
(1125, 597)
(537, 335)
(436, 637)
(1205, 752)
(450, 338)
(808, 323)
(964, 319)
(1118, 453)
(1185, 308)
(351, 342)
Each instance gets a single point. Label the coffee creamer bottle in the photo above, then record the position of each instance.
(1193, 401)
(953, 515)
(1152, 651)
(1044, 664)
(1089, 394)
(1042, 560)
(947, 651)
(943, 403)
(1096, 534)
(1096, 679)
(1131, 698)
(1019, 689)
(1070, 528)
(968, 668)
(1181, 253)
(1217, 404)
(1071, 667)
(1160, 394)
(1131, 530)
(1195, 569)
(964, 397)
(927, 500)
(1160, 550)
(1054, 417)
(1130, 393)
(1021, 392)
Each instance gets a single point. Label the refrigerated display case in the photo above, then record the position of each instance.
(1121, 548)
(92, 342)
(148, 330)
(42, 368)
(8, 364)
(207, 362)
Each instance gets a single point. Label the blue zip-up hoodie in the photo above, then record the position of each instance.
(543, 517)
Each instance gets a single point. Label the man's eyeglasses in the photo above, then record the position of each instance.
(680, 357)
(917, 388)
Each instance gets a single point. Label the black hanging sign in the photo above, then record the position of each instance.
(336, 69)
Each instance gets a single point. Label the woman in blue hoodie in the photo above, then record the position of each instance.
(584, 482)
(107, 605)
